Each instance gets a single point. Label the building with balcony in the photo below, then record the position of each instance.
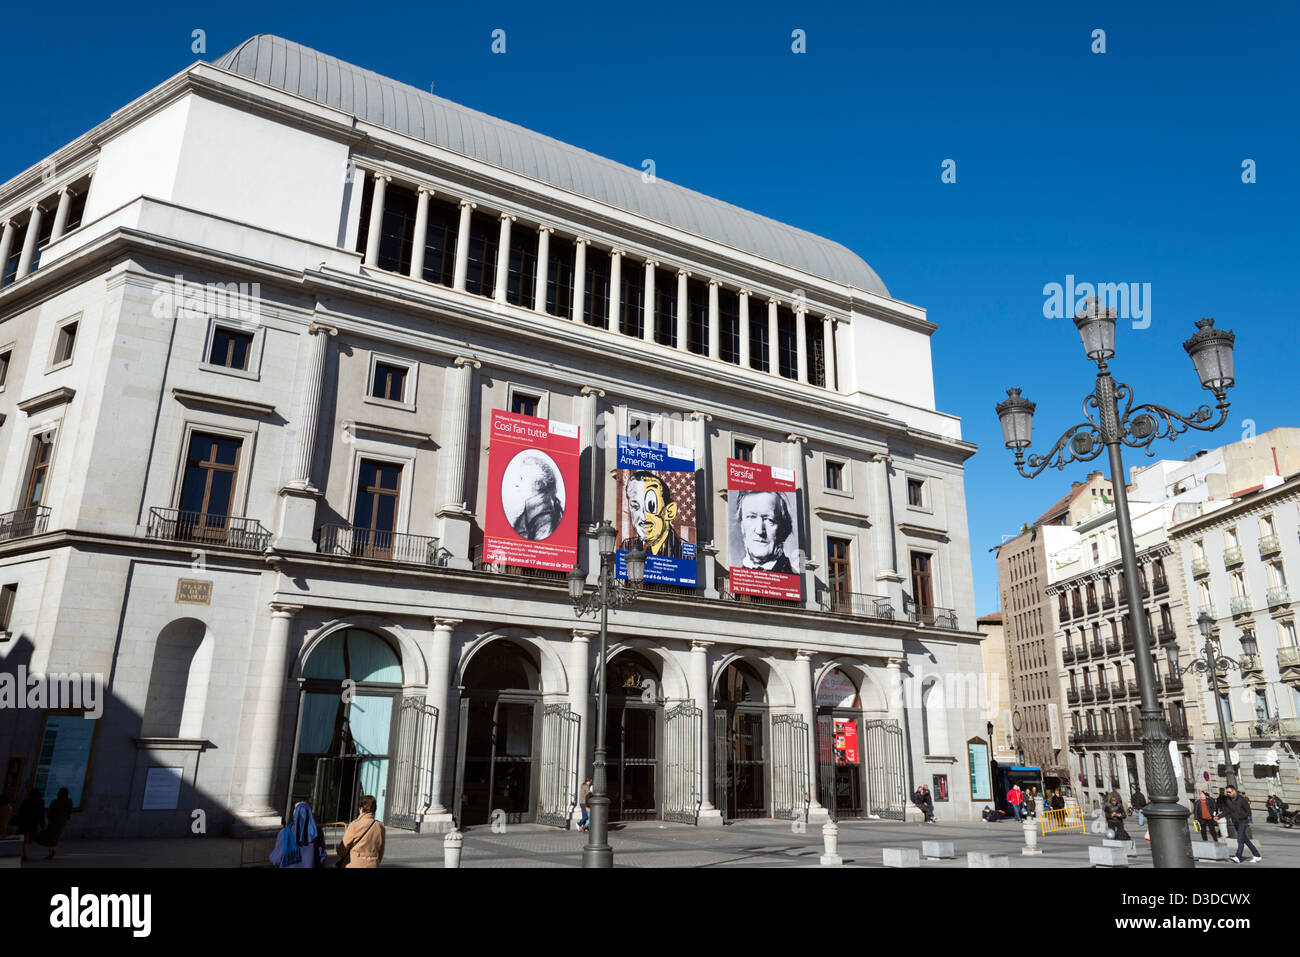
(247, 377)
(1236, 553)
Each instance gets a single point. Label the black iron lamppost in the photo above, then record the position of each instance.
(1112, 420)
(609, 593)
(1211, 662)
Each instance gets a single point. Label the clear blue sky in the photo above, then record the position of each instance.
(1122, 167)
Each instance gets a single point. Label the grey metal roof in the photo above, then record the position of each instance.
(396, 106)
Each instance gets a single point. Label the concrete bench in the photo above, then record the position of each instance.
(1209, 851)
(1130, 847)
(980, 859)
(902, 857)
(11, 852)
(1107, 856)
(938, 850)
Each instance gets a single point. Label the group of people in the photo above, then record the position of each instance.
(922, 799)
(1233, 807)
(301, 843)
(34, 821)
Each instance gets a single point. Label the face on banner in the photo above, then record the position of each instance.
(763, 533)
(532, 514)
(656, 506)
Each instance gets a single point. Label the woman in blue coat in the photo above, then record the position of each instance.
(300, 842)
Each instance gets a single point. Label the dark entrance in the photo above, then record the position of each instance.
(740, 744)
(632, 734)
(839, 746)
(496, 761)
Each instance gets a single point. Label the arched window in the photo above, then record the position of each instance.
(178, 681)
(740, 684)
(838, 690)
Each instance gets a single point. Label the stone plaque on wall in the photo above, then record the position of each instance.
(194, 591)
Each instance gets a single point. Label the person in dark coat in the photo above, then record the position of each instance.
(1137, 802)
(1238, 810)
(990, 815)
(59, 813)
(1206, 817)
(300, 842)
(922, 800)
(1057, 802)
(1115, 815)
(30, 818)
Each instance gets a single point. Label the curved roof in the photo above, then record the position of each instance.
(396, 106)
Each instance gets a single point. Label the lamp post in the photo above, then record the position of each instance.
(1112, 421)
(610, 593)
(1210, 662)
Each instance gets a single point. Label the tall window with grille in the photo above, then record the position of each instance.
(8, 595)
(208, 487)
(440, 240)
(38, 473)
(729, 320)
(665, 317)
(758, 351)
(815, 344)
(787, 341)
(839, 577)
(697, 316)
(374, 517)
(631, 310)
(521, 269)
(481, 260)
(559, 277)
(922, 586)
(396, 229)
(595, 292)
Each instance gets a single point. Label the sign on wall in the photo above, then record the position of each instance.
(763, 531)
(656, 504)
(532, 500)
(162, 789)
(846, 741)
(977, 757)
(940, 789)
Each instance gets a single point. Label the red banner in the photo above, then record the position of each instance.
(846, 741)
(763, 531)
(532, 501)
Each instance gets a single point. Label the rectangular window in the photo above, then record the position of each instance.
(208, 487)
(814, 345)
(787, 341)
(743, 451)
(440, 237)
(758, 351)
(42, 449)
(665, 317)
(484, 238)
(390, 382)
(7, 596)
(4, 366)
(697, 316)
(595, 289)
(9, 268)
(521, 270)
(839, 575)
(230, 348)
(922, 585)
(66, 341)
(631, 313)
(835, 476)
(729, 319)
(396, 229)
(1230, 538)
(916, 493)
(1266, 526)
(523, 404)
(559, 277)
(374, 519)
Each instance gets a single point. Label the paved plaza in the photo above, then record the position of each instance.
(655, 844)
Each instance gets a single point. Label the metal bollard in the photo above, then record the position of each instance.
(831, 845)
(1031, 837)
(451, 846)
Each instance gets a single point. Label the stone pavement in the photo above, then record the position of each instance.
(655, 844)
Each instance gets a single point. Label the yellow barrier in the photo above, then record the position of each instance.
(1063, 819)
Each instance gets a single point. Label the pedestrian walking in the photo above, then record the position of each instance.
(1206, 817)
(58, 815)
(1137, 802)
(30, 818)
(1115, 815)
(1015, 797)
(584, 797)
(300, 842)
(1238, 810)
(363, 841)
(1031, 802)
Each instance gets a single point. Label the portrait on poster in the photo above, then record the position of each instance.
(533, 495)
(656, 508)
(763, 531)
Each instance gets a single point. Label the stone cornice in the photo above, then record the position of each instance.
(47, 400)
(223, 403)
(387, 433)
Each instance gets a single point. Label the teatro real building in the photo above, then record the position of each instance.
(255, 330)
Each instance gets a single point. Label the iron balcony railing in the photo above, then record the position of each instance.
(1231, 557)
(1161, 585)
(379, 545)
(1240, 605)
(1173, 683)
(1087, 694)
(930, 615)
(1118, 690)
(1107, 601)
(1278, 595)
(1269, 545)
(1207, 610)
(1067, 654)
(24, 522)
(858, 604)
(1178, 729)
(205, 528)
(1072, 695)
(1133, 690)
(1112, 646)
(518, 571)
(1103, 692)
(1092, 606)
(1165, 632)
(1200, 567)
(1076, 610)
(1095, 648)
(1288, 656)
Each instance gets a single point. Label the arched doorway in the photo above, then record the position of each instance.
(632, 737)
(346, 736)
(839, 745)
(496, 761)
(740, 743)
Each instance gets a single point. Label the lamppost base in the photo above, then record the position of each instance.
(597, 855)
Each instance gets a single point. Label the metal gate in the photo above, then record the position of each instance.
(682, 781)
(790, 786)
(826, 764)
(883, 762)
(559, 784)
(413, 778)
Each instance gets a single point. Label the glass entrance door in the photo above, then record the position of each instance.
(632, 756)
(498, 760)
(839, 762)
(742, 754)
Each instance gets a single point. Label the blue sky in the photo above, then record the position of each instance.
(1116, 167)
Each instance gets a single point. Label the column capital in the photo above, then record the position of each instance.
(446, 623)
(831, 319)
(283, 609)
(796, 437)
(883, 457)
(579, 241)
(773, 301)
(461, 361)
(592, 390)
(715, 282)
(895, 663)
(652, 263)
(384, 176)
(468, 202)
(801, 654)
(742, 291)
(582, 636)
(324, 327)
(700, 647)
(617, 252)
(426, 190)
(509, 216)
(683, 272)
(546, 229)
(702, 416)
(800, 308)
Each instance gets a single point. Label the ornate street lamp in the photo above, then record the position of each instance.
(1112, 421)
(610, 593)
(1211, 662)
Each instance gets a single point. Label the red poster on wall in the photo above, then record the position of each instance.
(532, 500)
(846, 741)
(763, 531)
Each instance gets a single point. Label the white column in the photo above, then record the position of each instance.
(304, 450)
(29, 243)
(422, 195)
(648, 321)
(803, 703)
(773, 346)
(698, 676)
(376, 218)
(61, 214)
(715, 321)
(503, 258)
(828, 353)
(462, 244)
(6, 246)
(744, 328)
(706, 534)
(580, 667)
(455, 434)
(579, 279)
(439, 693)
(801, 343)
(259, 790)
(615, 288)
(543, 265)
(897, 706)
(590, 501)
(682, 337)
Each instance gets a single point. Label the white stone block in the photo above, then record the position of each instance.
(1209, 851)
(1107, 856)
(902, 857)
(981, 859)
(938, 850)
